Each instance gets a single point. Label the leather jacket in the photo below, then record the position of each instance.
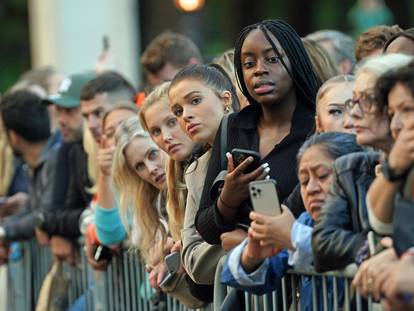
(342, 224)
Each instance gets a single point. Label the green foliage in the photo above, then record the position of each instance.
(14, 47)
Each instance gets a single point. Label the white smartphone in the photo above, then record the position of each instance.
(172, 261)
(263, 196)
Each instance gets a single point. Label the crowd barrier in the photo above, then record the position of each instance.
(124, 286)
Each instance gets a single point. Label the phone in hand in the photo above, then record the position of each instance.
(239, 155)
(102, 252)
(374, 243)
(264, 198)
(173, 262)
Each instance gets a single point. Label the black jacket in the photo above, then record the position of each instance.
(71, 186)
(242, 133)
(403, 229)
(342, 223)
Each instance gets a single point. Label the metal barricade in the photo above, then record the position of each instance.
(290, 293)
(124, 286)
(27, 269)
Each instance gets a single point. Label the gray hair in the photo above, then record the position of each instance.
(334, 144)
(381, 64)
(342, 44)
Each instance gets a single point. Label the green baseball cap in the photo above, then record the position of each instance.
(70, 90)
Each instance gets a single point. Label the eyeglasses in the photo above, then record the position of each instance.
(367, 103)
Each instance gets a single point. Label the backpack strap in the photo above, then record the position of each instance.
(223, 141)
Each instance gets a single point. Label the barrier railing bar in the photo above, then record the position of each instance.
(324, 293)
(358, 302)
(335, 293)
(314, 296)
(284, 299)
(347, 299)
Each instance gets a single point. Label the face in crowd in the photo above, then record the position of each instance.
(147, 161)
(93, 111)
(266, 78)
(112, 121)
(400, 108)
(315, 178)
(70, 123)
(199, 108)
(371, 125)
(166, 73)
(331, 109)
(165, 131)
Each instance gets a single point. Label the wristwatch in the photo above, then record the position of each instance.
(390, 174)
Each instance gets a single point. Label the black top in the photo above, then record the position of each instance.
(342, 224)
(70, 191)
(242, 133)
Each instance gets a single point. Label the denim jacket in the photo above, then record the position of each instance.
(266, 278)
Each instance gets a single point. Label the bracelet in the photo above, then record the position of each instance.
(226, 205)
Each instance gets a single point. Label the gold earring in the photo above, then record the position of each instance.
(227, 109)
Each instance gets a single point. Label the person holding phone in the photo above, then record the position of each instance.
(281, 91)
(200, 96)
(138, 174)
(254, 265)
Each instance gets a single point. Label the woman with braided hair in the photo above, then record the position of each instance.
(276, 76)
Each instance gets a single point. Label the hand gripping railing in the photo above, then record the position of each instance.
(342, 297)
(124, 286)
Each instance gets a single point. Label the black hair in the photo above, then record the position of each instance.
(334, 144)
(302, 74)
(386, 82)
(24, 113)
(112, 83)
(212, 75)
(408, 33)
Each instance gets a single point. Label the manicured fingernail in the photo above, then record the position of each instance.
(267, 169)
(267, 177)
(265, 165)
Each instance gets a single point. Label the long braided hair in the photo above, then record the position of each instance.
(301, 73)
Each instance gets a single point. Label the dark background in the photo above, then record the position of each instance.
(214, 28)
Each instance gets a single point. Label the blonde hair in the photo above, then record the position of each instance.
(6, 162)
(121, 105)
(136, 192)
(226, 61)
(91, 148)
(177, 190)
(322, 63)
(331, 83)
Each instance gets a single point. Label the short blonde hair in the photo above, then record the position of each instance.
(331, 83)
(158, 96)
